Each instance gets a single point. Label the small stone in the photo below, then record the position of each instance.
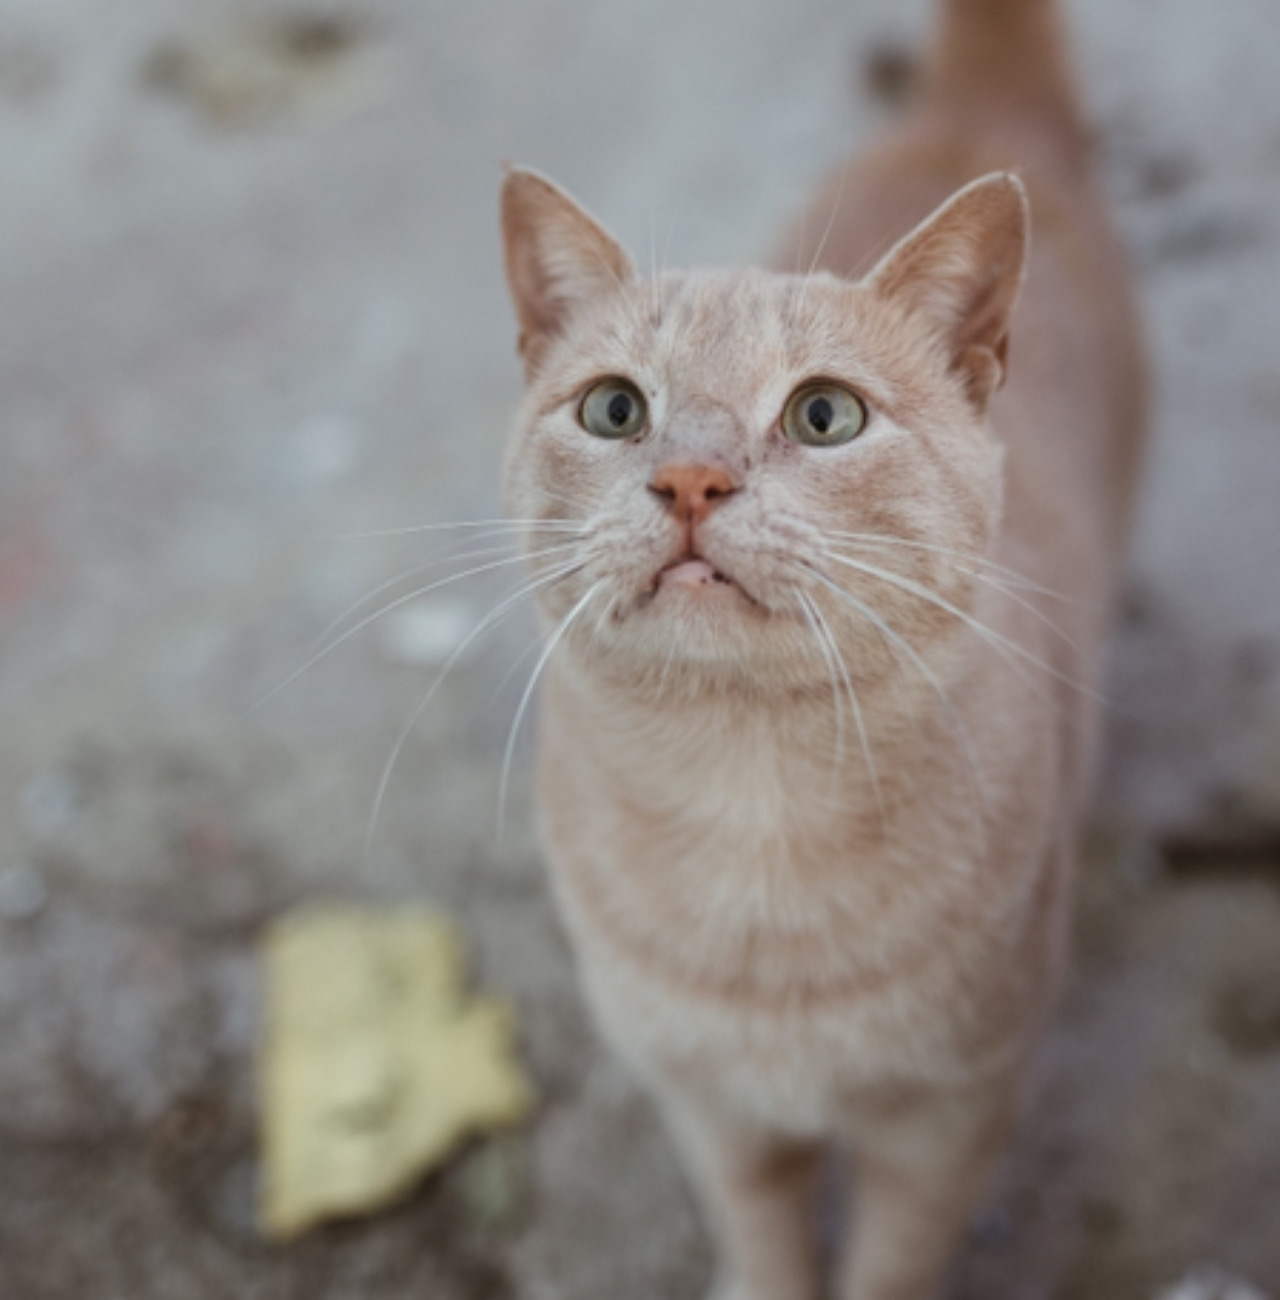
(316, 67)
(425, 633)
(23, 893)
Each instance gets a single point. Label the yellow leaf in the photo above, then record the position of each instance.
(375, 1065)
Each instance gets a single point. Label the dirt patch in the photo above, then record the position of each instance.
(298, 64)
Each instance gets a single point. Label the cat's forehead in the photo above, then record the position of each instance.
(732, 333)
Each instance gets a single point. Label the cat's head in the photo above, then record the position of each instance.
(737, 475)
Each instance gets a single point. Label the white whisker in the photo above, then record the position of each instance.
(998, 585)
(514, 526)
(417, 571)
(552, 641)
(996, 581)
(1009, 575)
(896, 639)
(859, 720)
(580, 506)
(416, 594)
(655, 301)
(662, 270)
(822, 243)
(808, 607)
(999, 643)
(490, 619)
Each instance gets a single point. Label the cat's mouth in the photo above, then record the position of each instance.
(690, 571)
(694, 576)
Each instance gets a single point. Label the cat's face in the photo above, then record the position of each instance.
(729, 447)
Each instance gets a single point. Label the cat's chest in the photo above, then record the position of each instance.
(737, 891)
(790, 1028)
(742, 898)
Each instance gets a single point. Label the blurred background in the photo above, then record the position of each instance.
(251, 304)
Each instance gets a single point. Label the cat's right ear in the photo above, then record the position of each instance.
(557, 257)
(960, 271)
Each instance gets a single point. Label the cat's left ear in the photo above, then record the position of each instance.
(961, 270)
(557, 256)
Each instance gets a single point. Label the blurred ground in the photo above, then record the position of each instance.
(249, 300)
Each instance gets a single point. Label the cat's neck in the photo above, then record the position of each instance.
(753, 759)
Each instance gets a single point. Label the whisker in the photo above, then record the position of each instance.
(662, 272)
(822, 243)
(1001, 644)
(502, 525)
(868, 261)
(603, 616)
(802, 238)
(403, 576)
(808, 607)
(996, 584)
(1011, 575)
(859, 719)
(416, 594)
(579, 505)
(632, 301)
(1005, 588)
(493, 617)
(959, 729)
(552, 641)
(655, 301)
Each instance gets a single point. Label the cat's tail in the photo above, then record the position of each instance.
(1009, 58)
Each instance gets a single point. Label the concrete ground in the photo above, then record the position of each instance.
(250, 301)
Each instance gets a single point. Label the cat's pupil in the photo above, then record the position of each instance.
(821, 414)
(619, 410)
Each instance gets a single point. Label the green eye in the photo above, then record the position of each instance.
(614, 408)
(823, 415)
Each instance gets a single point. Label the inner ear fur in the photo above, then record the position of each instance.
(557, 258)
(961, 270)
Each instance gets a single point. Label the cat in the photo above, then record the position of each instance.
(832, 565)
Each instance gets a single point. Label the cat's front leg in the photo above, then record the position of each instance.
(921, 1167)
(757, 1190)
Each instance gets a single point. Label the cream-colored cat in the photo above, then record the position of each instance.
(815, 734)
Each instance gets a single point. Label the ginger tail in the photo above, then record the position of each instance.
(1003, 56)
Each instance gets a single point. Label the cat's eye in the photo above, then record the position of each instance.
(613, 408)
(823, 415)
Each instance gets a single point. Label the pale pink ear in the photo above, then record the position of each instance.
(557, 258)
(961, 270)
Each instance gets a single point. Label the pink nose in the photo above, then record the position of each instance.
(692, 492)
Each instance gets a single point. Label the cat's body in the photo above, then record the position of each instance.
(813, 831)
